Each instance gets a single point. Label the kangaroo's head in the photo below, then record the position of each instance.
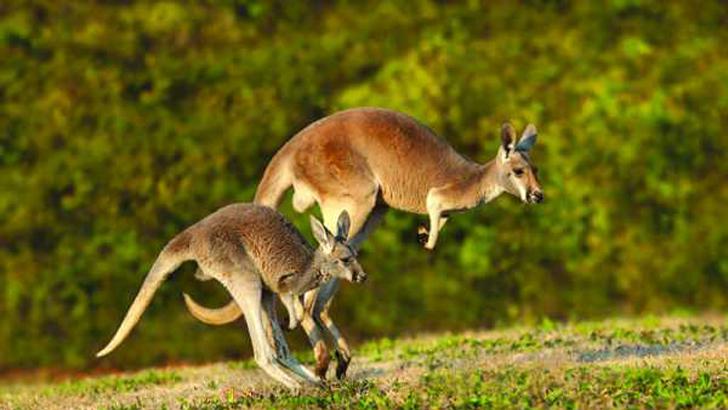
(516, 173)
(337, 259)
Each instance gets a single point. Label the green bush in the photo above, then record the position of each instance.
(123, 122)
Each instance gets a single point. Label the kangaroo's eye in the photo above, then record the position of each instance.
(518, 172)
(346, 260)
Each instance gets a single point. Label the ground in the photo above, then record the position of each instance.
(669, 362)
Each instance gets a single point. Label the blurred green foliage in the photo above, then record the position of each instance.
(123, 122)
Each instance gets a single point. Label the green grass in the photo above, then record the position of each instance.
(116, 384)
(644, 363)
(581, 386)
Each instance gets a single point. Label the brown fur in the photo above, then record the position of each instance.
(365, 160)
(354, 153)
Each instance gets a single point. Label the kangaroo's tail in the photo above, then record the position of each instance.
(173, 255)
(220, 316)
(277, 178)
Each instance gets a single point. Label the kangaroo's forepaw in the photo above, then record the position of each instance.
(422, 234)
(292, 323)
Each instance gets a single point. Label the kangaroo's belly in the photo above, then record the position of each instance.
(342, 181)
(401, 195)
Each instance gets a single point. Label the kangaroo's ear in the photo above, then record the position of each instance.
(528, 139)
(322, 235)
(342, 226)
(508, 138)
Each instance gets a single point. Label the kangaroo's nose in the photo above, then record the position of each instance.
(536, 197)
(360, 277)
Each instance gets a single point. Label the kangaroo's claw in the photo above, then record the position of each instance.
(422, 234)
(292, 323)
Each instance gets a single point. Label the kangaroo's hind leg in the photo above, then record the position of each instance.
(276, 338)
(372, 222)
(247, 290)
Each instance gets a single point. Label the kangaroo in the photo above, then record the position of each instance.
(254, 252)
(366, 160)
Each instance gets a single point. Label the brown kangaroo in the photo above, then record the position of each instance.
(365, 160)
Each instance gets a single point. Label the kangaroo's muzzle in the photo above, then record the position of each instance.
(535, 197)
(359, 276)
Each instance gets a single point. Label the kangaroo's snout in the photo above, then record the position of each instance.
(535, 197)
(359, 277)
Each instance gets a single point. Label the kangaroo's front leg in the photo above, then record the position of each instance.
(423, 232)
(294, 307)
(434, 209)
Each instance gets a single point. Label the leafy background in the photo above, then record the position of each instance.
(123, 122)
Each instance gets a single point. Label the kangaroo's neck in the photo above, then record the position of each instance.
(311, 275)
(489, 182)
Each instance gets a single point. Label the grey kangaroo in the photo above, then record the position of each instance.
(366, 160)
(255, 252)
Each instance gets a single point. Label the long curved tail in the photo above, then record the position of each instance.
(166, 263)
(220, 316)
(276, 180)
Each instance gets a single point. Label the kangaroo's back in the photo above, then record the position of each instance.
(249, 234)
(364, 149)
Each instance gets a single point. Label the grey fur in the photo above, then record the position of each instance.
(254, 252)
